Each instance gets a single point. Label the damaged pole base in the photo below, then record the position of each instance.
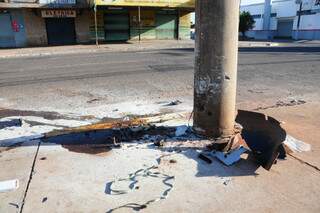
(228, 150)
(227, 144)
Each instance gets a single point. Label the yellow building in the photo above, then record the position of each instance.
(121, 20)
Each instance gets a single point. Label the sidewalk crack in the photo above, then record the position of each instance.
(30, 177)
(305, 162)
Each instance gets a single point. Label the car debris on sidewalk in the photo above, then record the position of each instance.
(172, 135)
(261, 135)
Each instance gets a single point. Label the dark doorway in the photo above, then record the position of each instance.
(6, 33)
(116, 25)
(284, 29)
(166, 25)
(60, 31)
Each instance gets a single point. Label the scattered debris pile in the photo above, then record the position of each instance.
(258, 134)
(102, 137)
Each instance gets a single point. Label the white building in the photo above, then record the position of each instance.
(283, 19)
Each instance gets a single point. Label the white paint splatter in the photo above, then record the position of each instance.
(56, 122)
(201, 86)
(26, 132)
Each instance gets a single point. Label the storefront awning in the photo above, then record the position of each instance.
(148, 3)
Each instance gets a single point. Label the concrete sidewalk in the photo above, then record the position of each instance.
(113, 47)
(60, 178)
(92, 48)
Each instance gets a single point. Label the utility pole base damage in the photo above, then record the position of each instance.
(215, 82)
(216, 71)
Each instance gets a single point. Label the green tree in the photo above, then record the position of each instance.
(246, 22)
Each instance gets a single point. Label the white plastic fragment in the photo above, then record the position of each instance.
(9, 185)
(230, 158)
(181, 130)
(296, 145)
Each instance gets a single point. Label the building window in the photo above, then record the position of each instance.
(256, 16)
(272, 15)
(306, 12)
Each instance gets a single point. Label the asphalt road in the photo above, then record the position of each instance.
(66, 82)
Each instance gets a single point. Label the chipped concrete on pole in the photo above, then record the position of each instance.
(216, 61)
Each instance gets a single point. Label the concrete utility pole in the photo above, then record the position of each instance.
(96, 24)
(139, 21)
(266, 17)
(299, 18)
(217, 23)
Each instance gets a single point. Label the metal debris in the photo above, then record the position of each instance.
(228, 150)
(93, 100)
(258, 133)
(44, 199)
(263, 135)
(205, 158)
(227, 158)
(159, 143)
(231, 157)
(226, 181)
(174, 103)
(102, 137)
(14, 205)
(173, 161)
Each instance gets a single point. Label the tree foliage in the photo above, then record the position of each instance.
(246, 22)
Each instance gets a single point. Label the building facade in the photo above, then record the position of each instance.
(64, 22)
(293, 19)
(136, 19)
(43, 22)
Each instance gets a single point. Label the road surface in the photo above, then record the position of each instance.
(66, 82)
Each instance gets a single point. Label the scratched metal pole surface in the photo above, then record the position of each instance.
(216, 67)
